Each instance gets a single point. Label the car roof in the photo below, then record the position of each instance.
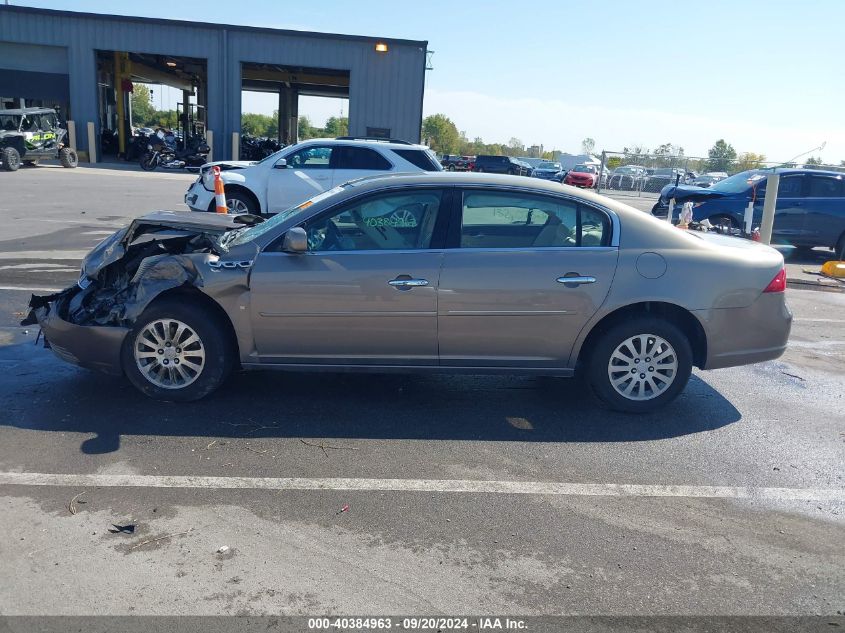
(388, 143)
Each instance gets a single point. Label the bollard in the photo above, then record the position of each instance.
(209, 140)
(769, 206)
(749, 217)
(71, 135)
(92, 143)
(219, 194)
(236, 146)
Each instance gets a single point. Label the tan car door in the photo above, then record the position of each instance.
(527, 274)
(365, 293)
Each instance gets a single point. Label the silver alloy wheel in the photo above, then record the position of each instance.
(642, 367)
(236, 207)
(169, 354)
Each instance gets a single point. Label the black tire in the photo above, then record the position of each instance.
(11, 159)
(219, 352)
(598, 363)
(68, 157)
(241, 198)
(148, 162)
(450, 168)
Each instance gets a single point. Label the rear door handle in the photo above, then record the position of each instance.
(577, 280)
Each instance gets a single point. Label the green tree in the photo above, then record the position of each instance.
(721, 156)
(442, 134)
(143, 111)
(306, 130)
(255, 124)
(749, 160)
(588, 145)
(337, 126)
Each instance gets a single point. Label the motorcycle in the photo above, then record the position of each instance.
(162, 153)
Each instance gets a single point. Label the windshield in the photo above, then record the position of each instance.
(271, 158)
(247, 234)
(584, 169)
(549, 166)
(738, 182)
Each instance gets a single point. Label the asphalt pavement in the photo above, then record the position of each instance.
(373, 495)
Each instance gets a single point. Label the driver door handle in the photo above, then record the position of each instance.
(406, 283)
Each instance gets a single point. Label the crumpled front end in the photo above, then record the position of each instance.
(87, 323)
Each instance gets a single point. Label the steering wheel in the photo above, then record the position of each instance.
(327, 238)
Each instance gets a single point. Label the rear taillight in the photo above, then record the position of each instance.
(778, 284)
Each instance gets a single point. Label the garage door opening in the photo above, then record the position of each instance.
(139, 93)
(275, 98)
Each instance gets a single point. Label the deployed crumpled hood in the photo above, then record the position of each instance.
(113, 247)
(688, 193)
(228, 164)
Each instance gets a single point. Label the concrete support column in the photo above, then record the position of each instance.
(186, 112)
(92, 142)
(236, 146)
(769, 206)
(209, 139)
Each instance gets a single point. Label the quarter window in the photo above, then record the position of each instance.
(505, 220)
(387, 222)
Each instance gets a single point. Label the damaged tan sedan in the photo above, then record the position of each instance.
(442, 272)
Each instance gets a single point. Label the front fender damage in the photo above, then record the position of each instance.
(87, 324)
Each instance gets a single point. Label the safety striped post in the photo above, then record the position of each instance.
(219, 195)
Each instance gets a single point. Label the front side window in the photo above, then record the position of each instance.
(512, 220)
(398, 221)
(788, 187)
(310, 158)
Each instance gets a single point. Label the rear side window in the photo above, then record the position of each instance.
(788, 187)
(359, 158)
(510, 220)
(825, 187)
(420, 158)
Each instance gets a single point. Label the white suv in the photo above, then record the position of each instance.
(298, 172)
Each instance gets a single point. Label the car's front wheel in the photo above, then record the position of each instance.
(177, 352)
(68, 157)
(639, 365)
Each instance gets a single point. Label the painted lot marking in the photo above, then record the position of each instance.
(419, 485)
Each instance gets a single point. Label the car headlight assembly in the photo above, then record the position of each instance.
(208, 180)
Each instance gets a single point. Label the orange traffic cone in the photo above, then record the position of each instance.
(219, 195)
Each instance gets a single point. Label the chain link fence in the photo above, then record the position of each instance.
(626, 173)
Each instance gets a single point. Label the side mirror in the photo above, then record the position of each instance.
(296, 240)
(281, 164)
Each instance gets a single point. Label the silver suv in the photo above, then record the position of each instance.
(298, 172)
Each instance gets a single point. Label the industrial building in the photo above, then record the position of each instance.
(86, 64)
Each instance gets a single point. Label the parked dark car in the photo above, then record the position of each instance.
(627, 178)
(548, 170)
(810, 208)
(706, 180)
(453, 162)
(663, 176)
(500, 165)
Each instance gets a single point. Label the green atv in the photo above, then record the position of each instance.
(30, 134)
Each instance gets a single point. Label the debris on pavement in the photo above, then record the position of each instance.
(72, 505)
(786, 373)
(345, 508)
(325, 447)
(160, 538)
(222, 549)
(129, 528)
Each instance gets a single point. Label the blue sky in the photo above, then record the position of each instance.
(767, 75)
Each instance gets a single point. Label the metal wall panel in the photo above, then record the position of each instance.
(385, 91)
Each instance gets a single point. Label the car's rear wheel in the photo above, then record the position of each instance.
(11, 159)
(177, 352)
(640, 365)
(68, 157)
(451, 168)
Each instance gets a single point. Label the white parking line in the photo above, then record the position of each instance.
(419, 485)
